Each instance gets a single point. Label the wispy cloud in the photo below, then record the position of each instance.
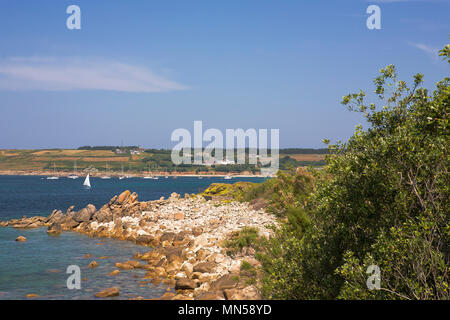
(431, 51)
(62, 74)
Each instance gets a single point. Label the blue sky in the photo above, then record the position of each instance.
(137, 70)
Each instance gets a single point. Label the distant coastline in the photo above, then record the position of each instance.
(118, 174)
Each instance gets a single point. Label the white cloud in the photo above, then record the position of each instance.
(62, 74)
(431, 51)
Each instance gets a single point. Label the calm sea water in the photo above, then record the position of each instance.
(39, 265)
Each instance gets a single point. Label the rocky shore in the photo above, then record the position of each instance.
(182, 239)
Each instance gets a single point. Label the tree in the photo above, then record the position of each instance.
(381, 200)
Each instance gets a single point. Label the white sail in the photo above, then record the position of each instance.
(87, 183)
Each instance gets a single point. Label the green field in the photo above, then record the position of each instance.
(107, 160)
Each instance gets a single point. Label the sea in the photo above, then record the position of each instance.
(39, 266)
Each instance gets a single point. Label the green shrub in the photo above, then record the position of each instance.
(246, 237)
(382, 199)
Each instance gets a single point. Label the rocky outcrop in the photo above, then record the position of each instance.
(110, 292)
(184, 237)
(21, 239)
(185, 284)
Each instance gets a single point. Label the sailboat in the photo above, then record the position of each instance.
(54, 177)
(129, 170)
(122, 176)
(87, 182)
(106, 172)
(150, 176)
(73, 175)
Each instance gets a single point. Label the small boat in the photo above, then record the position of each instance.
(106, 172)
(54, 177)
(151, 176)
(87, 182)
(227, 177)
(200, 177)
(73, 175)
(122, 176)
(167, 177)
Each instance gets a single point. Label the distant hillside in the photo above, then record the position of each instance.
(134, 159)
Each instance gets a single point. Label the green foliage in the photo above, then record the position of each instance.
(247, 270)
(382, 199)
(246, 237)
(287, 191)
(235, 191)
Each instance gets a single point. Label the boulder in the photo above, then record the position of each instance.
(124, 266)
(182, 297)
(113, 199)
(202, 254)
(55, 216)
(103, 215)
(227, 281)
(84, 215)
(204, 267)
(114, 273)
(133, 263)
(196, 231)
(178, 216)
(168, 236)
(174, 196)
(209, 296)
(185, 284)
(167, 296)
(144, 239)
(123, 197)
(110, 292)
(21, 239)
(248, 293)
(54, 229)
(174, 253)
(133, 198)
(69, 223)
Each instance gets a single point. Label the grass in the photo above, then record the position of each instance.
(38, 159)
(246, 237)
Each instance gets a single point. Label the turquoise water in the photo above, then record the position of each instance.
(39, 265)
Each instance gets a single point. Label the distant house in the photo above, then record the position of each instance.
(120, 151)
(135, 151)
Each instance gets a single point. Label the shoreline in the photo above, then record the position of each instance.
(115, 174)
(185, 238)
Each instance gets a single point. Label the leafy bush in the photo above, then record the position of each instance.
(246, 237)
(290, 189)
(382, 199)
